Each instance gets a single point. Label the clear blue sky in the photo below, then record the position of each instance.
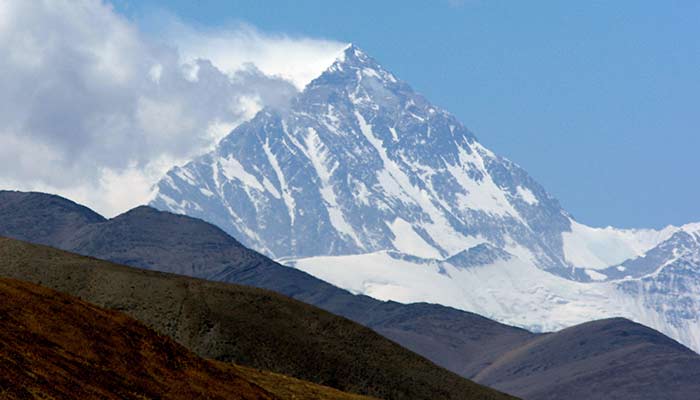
(598, 100)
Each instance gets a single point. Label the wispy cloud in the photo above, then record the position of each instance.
(94, 109)
(298, 59)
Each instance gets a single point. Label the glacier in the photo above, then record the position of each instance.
(363, 183)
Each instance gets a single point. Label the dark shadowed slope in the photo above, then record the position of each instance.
(245, 325)
(152, 239)
(144, 237)
(606, 359)
(463, 342)
(55, 346)
(42, 218)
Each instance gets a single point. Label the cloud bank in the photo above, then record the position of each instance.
(93, 109)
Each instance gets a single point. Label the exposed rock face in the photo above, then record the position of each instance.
(362, 163)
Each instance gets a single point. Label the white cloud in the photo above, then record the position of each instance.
(297, 59)
(92, 109)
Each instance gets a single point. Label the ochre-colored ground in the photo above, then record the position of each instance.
(291, 388)
(55, 346)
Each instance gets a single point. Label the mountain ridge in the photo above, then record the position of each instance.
(361, 167)
(462, 342)
(245, 325)
(169, 242)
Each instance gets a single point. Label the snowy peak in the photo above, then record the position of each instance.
(682, 245)
(356, 82)
(353, 56)
(609, 253)
(352, 66)
(693, 228)
(598, 248)
(362, 163)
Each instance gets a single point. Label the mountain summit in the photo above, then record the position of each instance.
(365, 184)
(361, 163)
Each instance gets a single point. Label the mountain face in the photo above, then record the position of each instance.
(668, 281)
(365, 184)
(361, 163)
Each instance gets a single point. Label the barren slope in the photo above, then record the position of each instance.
(245, 325)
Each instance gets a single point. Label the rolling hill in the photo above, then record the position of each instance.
(147, 238)
(468, 344)
(56, 346)
(244, 325)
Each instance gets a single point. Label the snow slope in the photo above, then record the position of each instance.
(597, 248)
(518, 293)
(510, 291)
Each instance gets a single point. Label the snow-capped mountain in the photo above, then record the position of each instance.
(363, 183)
(361, 163)
(667, 280)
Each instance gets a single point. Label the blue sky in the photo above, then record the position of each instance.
(598, 100)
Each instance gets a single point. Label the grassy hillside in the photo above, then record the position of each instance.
(253, 327)
(460, 341)
(53, 345)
